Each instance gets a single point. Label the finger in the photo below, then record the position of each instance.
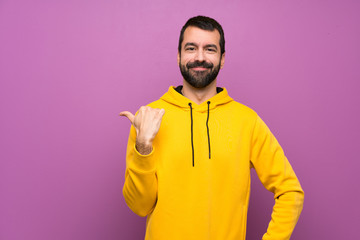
(129, 115)
(162, 112)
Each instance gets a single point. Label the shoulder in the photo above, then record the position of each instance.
(242, 110)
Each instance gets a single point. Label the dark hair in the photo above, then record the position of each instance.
(204, 23)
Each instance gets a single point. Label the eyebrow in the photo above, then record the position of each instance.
(206, 46)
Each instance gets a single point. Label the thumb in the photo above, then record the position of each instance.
(129, 115)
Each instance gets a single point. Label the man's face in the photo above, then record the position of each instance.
(200, 59)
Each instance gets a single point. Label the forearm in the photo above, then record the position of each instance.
(140, 187)
(285, 215)
(140, 191)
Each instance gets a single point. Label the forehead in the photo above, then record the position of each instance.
(201, 37)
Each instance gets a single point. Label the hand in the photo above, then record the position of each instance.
(147, 124)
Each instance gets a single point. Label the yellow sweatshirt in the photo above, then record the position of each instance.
(195, 184)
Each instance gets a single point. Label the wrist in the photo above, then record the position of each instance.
(143, 147)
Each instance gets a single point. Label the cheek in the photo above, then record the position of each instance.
(184, 60)
(214, 59)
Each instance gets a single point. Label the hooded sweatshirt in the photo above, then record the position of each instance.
(195, 184)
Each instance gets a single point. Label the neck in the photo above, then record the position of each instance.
(199, 95)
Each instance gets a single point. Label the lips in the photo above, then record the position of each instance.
(199, 68)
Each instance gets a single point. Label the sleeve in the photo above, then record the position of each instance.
(140, 187)
(277, 176)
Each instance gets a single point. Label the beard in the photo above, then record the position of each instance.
(199, 79)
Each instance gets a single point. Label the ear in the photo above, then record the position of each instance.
(222, 60)
(178, 58)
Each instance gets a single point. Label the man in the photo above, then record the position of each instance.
(190, 153)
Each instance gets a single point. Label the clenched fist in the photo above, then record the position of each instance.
(147, 124)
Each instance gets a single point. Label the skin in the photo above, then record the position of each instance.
(198, 45)
(147, 124)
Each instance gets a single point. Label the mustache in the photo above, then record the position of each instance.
(199, 64)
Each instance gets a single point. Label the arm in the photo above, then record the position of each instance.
(277, 175)
(140, 187)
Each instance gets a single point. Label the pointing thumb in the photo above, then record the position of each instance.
(129, 115)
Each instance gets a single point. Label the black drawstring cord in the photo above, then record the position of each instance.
(207, 126)
(192, 137)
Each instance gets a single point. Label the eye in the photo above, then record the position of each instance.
(211, 49)
(189, 49)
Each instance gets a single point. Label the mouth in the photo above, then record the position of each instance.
(199, 68)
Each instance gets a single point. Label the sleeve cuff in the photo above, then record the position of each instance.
(143, 163)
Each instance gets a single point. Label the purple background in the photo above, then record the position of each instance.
(67, 68)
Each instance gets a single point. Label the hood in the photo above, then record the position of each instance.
(177, 99)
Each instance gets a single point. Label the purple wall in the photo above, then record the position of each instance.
(67, 68)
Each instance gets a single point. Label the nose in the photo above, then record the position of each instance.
(199, 56)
